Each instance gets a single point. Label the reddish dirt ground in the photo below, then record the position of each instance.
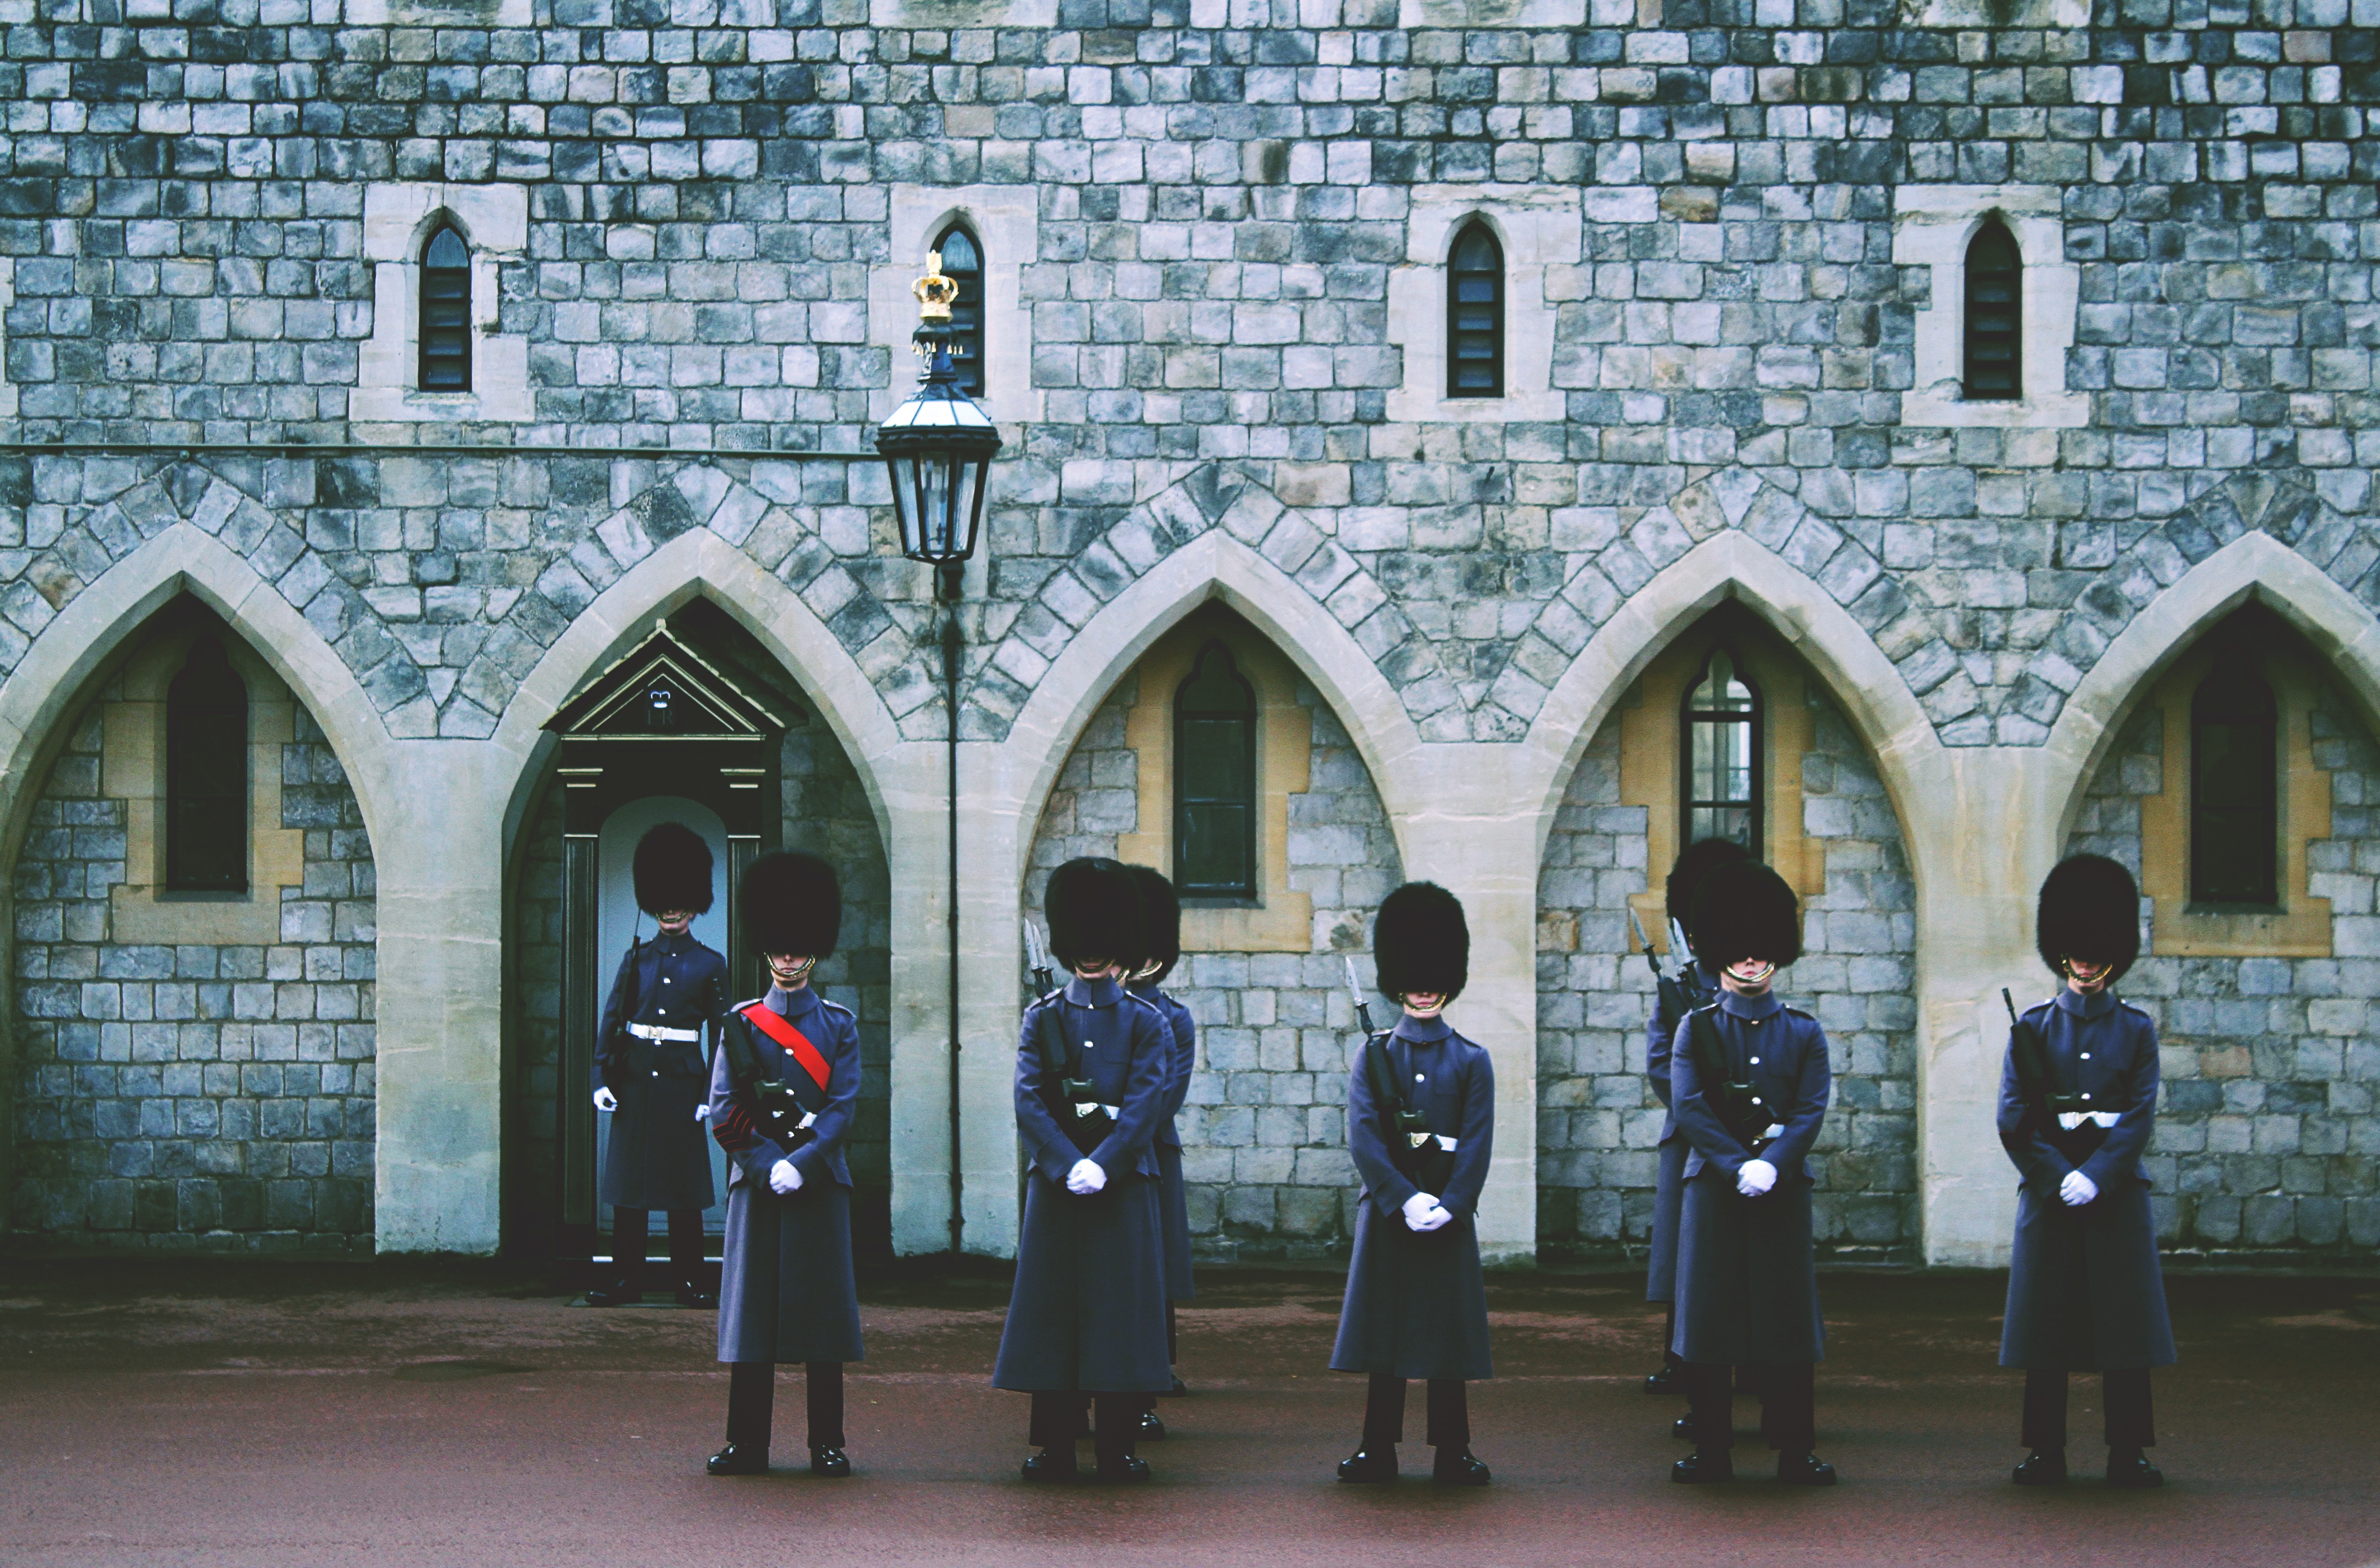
(172, 1412)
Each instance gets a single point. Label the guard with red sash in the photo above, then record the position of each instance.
(783, 1093)
(1750, 1081)
(1093, 1066)
(1421, 1125)
(1164, 911)
(2078, 1102)
(650, 1070)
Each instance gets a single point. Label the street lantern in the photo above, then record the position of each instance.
(937, 446)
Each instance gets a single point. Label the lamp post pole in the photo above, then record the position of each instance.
(954, 648)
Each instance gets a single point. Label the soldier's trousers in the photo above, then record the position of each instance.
(1057, 1421)
(628, 1228)
(1384, 1413)
(1789, 1397)
(752, 1397)
(2129, 1424)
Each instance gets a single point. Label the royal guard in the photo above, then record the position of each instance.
(783, 1093)
(650, 1070)
(1164, 911)
(1750, 1081)
(1692, 984)
(1093, 1066)
(2078, 1102)
(1421, 1125)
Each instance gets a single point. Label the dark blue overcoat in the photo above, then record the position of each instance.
(786, 1288)
(657, 1155)
(1670, 1175)
(1416, 1305)
(1173, 1198)
(1747, 1273)
(2086, 1294)
(1089, 1308)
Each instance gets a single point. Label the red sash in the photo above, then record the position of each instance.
(763, 1018)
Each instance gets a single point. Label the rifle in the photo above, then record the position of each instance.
(1412, 1148)
(2030, 1054)
(1683, 993)
(1038, 960)
(1075, 1101)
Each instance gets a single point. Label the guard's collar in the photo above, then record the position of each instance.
(1421, 1031)
(1094, 994)
(1761, 1007)
(2098, 1004)
(785, 1004)
(1147, 990)
(674, 940)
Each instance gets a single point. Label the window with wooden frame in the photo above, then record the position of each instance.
(962, 256)
(2234, 785)
(206, 774)
(1215, 780)
(1474, 314)
(446, 331)
(1720, 756)
(1995, 315)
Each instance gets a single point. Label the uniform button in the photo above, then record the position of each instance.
(2086, 1056)
(1420, 1078)
(1755, 1061)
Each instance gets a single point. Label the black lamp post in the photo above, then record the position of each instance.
(937, 447)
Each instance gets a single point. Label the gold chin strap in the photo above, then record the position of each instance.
(807, 965)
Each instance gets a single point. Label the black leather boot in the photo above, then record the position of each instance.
(1458, 1467)
(1177, 1390)
(619, 1292)
(697, 1297)
(739, 1459)
(1367, 1464)
(2131, 1467)
(1151, 1427)
(1666, 1382)
(1055, 1463)
(1804, 1470)
(1682, 1428)
(1123, 1469)
(2041, 1468)
(1703, 1466)
(830, 1461)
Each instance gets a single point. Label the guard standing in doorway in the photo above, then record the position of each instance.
(1421, 1125)
(650, 1070)
(2078, 1102)
(1164, 911)
(1693, 984)
(1750, 1081)
(1093, 1066)
(781, 1097)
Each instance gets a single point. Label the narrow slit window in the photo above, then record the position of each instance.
(1721, 750)
(1215, 780)
(1474, 315)
(2234, 786)
(1995, 316)
(445, 313)
(206, 775)
(963, 264)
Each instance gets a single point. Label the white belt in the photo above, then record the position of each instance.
(655, 1031)
(1085, 1107)
(2069, 1120)
(1418, 1139)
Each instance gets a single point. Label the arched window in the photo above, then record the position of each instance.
(963, 264)
(1474, 315)
(1720, 756)
(1995, 315)
(2234, 785)
(445, 313)
(206, 775)
(1215, 780)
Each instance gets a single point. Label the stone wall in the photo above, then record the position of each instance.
(1264, 1133)
(2268, 1142)
(1599, 1122)
(199, 1096)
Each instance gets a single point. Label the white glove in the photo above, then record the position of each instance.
(702, 1112)
(783, 1178)
(1417, 1210)
(1438, 1215)
(1754, 1177)
(2077, 1189)
(1085, 1178)
(606, 1100)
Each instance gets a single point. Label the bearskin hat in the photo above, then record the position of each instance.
(672, 870)
(1162, 910)
(1420, 942)
(790, 904)
(2090, 908)
(1697, 861)
(1095, 912)
(1743, 909)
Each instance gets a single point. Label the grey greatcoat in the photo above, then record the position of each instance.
(1416, 1305)
(1089, 1309)
(655, 1156)
(1747, 1273)
(2086, 1294)
(1173, 1198)
(1670, 1175)
(786, 1289)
